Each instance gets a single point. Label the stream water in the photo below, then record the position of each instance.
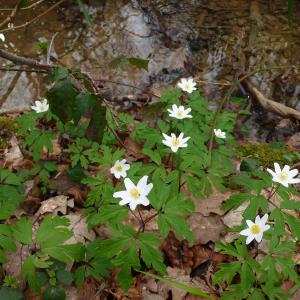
(213, 41)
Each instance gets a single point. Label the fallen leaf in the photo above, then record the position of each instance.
(235, 216)
(294, 142)
(13, 155)
(55, 205)
(212, 204)
(15, 261)
(80, 230)
(206, 228)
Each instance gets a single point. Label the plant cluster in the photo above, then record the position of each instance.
(189, 150)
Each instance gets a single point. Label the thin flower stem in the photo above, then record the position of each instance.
(135, 215)
(272, 193)
(141, 220)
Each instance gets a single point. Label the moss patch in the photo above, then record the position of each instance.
(267, 155)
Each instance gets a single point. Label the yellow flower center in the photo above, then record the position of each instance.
(175, 142)
(255, 229)
(119, 168)
(135, 193)
(186, 86)
(283, 176)
(179, 113)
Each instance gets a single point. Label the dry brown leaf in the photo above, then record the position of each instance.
(13, 155)
(212, 204)
(15, 261)
(55, 205)
(235, 216)
(294, 142)
(206, 228)
(80, 230)
(146, 214)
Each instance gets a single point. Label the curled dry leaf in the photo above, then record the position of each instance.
(181, 255)
(55, 205)
(212, 204)
(13, 155)
(180, 276)
(206, 228)
(80, 230)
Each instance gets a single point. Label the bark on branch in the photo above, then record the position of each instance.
(270, 105)
(20, 60)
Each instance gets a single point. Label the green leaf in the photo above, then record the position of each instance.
(58, 73)
(6, 241)
(54, 293)
(85, 12)
(22, 231)
(64, 277)
(53, 231)
(8, 293)
(62, 99)
(291, 4)
(125, 277)
(247, 278)
(181, 286)
(227, 249)
(29, 273)
(154, 155)
(227, 272)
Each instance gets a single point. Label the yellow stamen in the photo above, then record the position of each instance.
(175, 142)
(255, 229)
(179, 113)
(135, 193)
(283, 176)
(119, 168)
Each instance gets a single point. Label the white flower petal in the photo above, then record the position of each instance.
(129, 185)
(249, 223)
(277, 168)
(249, 239)
(264, 220)
(258, 237)
(245, 232)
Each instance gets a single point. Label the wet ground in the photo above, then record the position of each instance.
(213, 41)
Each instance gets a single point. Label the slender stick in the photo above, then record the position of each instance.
(34, 19)
(12, 15)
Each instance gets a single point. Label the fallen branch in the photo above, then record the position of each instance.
(12, 15)
(270, 105)
(20, 60)
(35, 18)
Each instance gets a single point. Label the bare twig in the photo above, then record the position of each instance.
(23, 70)
(50, 48)
(36, 18)
(230, 91)
(20, 60)
(23, 8)
(270, 105)
(12, 15)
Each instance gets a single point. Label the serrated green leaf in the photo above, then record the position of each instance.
(22, 231)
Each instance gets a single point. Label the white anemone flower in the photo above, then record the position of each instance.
(220, 134)
(187, 85)
(119, 169)
(41, 106)
(135, 194)
(284, 176)
(2, 37)
(255, 230)
(175, 142)
(179, 112)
